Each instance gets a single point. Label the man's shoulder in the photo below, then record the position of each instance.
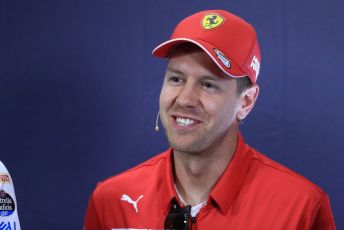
(279, 177)
(137, 177)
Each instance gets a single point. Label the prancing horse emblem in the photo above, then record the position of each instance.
(212, 21)
(126, 198)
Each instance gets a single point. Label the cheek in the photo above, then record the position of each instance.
(162, 99)
(222, 110)
(166, 98)
(165, 102)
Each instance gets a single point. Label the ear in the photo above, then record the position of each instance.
(247, 100)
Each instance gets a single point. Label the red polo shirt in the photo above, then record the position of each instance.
(254, 192)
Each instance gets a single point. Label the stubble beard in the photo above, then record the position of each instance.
(203, 144)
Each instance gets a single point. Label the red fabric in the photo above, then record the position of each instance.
(253, 193)
(235, 38)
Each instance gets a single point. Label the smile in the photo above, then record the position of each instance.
(184, 121)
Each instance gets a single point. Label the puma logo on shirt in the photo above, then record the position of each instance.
(127, 198)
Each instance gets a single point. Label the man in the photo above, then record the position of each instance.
(209, 178)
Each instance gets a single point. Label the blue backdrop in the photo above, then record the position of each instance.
(79, 94)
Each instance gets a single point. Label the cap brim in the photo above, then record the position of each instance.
(164, 49)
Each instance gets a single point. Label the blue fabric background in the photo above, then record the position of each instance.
(79, 94)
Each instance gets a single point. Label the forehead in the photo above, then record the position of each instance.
(189, 58)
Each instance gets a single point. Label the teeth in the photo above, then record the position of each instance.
(184, 121)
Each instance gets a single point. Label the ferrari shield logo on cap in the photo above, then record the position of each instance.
(211, 21)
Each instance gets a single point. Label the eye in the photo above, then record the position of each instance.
(175, 80)
(209, 86)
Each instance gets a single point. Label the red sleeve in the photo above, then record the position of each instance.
(323, 217)
(319, 216)
(91, 219)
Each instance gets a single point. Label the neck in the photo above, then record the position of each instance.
(196, 174)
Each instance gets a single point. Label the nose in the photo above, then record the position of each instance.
(188, 96)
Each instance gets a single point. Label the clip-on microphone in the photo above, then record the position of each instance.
(156, 122)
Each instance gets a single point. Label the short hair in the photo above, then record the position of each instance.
(243, 83)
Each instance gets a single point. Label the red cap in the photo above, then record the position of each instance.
(229, 40)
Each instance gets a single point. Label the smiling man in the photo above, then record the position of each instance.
(209, 178)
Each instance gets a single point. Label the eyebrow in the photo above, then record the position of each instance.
(170, 69)
(205, 77)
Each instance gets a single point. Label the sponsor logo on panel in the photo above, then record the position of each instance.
(4, 178)
(7, 205)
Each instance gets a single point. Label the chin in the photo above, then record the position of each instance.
(192, 147)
